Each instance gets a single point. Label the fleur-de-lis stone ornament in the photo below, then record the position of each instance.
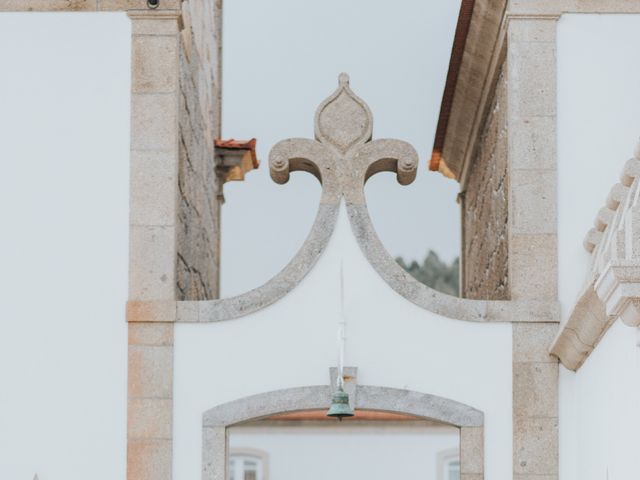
(343, 155)
(343, 120)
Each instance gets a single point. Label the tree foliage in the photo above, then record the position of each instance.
(435, 273)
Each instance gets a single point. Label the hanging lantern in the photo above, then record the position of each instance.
(340, 407)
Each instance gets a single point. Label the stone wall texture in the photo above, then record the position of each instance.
(484, 208)
(200, 190)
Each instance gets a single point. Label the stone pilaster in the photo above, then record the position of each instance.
(531, 117)
(152, 256)
(472, 453)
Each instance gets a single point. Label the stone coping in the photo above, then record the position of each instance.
(85, 5)
(393, 400)
(343, 157)
(398, 279)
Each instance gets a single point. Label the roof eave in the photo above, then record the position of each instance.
(472, 54)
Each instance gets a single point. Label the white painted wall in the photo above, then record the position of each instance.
(600, 411)
(64, 149)
(598, 125)
(293, 343)
(64, 130)
(346, 451)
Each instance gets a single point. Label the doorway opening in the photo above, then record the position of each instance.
(371, 445)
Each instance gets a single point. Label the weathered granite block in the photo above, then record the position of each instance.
(200, 188)
(154, 63)
(150, 418)
(472, 450)
(485, 210)
(532, 341)
(535, 446)
(151, 266)
(153, 121)
(150, 371)
(159, 334)
(535, 389)
(529, 142)
(533, 201)
(149, 459)
(533, 266)
(153, 179)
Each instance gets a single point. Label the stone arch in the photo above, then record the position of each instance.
(469, 420)
(342, 157)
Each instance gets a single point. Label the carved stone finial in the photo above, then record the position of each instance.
(343, 120)
(343, 156)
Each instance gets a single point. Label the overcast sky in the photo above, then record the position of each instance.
(281, 59)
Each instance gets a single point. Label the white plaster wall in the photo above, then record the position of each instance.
(600, 411)
(598, 125)
(343, 451)
(293, 343)
(64, 149)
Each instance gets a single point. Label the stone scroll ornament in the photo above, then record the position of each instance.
(343, 155)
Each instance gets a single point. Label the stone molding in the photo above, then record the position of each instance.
(394, 400)
(343, 157)
(215, 443)
(84, 5)
(559, 7)
(613, 285)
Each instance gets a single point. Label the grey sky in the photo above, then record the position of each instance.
(281, 59)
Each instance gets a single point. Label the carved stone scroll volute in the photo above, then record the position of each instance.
(343, 156)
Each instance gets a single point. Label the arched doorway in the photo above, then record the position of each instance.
(420, 405)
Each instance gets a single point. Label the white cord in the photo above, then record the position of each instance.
(341, 331)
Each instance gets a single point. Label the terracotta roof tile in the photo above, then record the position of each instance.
(233, 144)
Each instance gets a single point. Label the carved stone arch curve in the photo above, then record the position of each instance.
(469, 420)
(343, 156)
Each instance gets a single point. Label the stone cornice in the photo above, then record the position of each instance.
(559, 7)
(613, 289)
(84, 5)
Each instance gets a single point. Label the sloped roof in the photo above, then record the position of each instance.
(472, 54)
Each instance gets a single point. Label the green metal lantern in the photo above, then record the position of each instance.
(340, 407)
